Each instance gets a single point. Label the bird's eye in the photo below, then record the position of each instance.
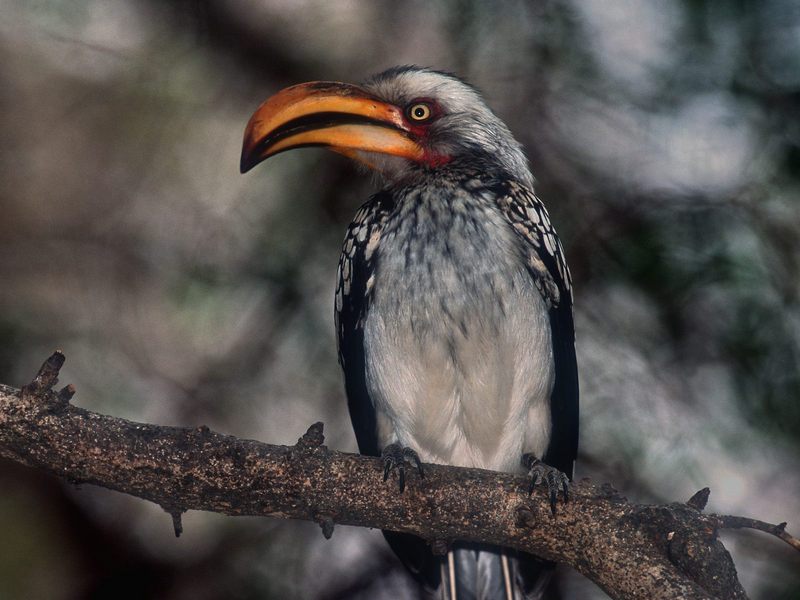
(419, 112)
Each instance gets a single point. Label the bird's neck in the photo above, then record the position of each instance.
(480, 168)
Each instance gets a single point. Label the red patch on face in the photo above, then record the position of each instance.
(435, 160)
(421, 130)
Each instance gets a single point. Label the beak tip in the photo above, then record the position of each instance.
(246, 163)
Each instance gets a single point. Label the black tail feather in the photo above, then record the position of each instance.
(472, 571)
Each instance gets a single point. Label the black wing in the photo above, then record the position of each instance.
(353, 292)
(548, 267)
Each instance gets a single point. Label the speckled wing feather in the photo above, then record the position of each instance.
(548, 267)
(353, 293)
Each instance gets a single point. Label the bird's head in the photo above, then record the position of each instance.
(401, 123)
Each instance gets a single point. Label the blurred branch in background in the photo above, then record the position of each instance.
(666, 142)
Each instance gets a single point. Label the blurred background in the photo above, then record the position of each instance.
(665, 137)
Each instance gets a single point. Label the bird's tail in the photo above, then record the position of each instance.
(479, 572)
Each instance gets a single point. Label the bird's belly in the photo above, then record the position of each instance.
(461, 371)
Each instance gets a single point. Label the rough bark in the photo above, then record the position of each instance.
(629, 550)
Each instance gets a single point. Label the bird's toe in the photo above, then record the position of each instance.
(395, 457)
(550, 477)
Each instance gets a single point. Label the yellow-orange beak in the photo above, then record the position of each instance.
(344, 117)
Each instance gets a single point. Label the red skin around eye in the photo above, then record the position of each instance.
(420, 131)
(420, 128)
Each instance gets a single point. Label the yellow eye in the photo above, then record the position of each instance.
(419, 112)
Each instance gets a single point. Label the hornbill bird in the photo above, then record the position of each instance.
(453, 304)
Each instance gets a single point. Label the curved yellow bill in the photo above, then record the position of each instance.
(341, 116)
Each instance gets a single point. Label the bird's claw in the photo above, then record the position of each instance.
(552, 478)
(396, 456)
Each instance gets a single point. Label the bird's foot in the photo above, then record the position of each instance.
(551, 477)
(396, 456)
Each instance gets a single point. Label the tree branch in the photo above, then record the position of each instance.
(632, 551)
(779, 530)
